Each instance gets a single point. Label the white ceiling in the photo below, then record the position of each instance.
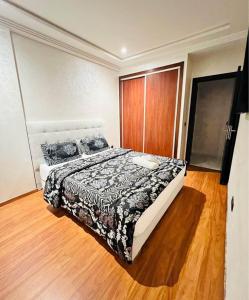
(141, 25)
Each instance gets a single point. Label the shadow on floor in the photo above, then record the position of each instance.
(164, 253)
(58, 212)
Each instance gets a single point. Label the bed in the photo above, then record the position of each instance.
(120, 201)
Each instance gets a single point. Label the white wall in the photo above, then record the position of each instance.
(16, 176)
(152, 62)
(237, 249)
(218, 60)
(59, 86)
(54, 86)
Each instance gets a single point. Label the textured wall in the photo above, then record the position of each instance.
(16, 176)
(60, 86)
(217, 61)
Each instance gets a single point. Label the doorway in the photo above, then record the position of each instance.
(211, 103)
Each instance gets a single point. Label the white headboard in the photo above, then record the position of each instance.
(57, 131)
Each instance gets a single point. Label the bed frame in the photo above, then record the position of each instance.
(51, 132)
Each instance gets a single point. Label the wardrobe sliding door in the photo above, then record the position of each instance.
(150, 110)
(132, 101)
(161, 112)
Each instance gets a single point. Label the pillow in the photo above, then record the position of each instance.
(91, 145)
(60, 152)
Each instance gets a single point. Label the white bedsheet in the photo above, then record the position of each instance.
(45, 169)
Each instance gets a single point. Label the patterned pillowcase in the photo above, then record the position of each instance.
(91, 145)
(60, 152)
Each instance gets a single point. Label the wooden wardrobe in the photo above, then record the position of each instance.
(150, 104)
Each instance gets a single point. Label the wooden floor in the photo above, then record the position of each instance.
(44, 254)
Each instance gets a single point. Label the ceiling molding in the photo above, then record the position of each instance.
(33, 34)
(59, 28)
(186, 39)
(224, 40)
(50, 33)
(174, 54)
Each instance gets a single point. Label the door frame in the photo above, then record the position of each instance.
(193, 102)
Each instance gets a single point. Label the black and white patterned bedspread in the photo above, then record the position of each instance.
(108, 192)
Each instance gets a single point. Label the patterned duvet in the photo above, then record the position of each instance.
(109, 193)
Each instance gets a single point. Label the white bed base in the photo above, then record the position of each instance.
(153, 214)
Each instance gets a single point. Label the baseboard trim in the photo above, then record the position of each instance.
(18, 197)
